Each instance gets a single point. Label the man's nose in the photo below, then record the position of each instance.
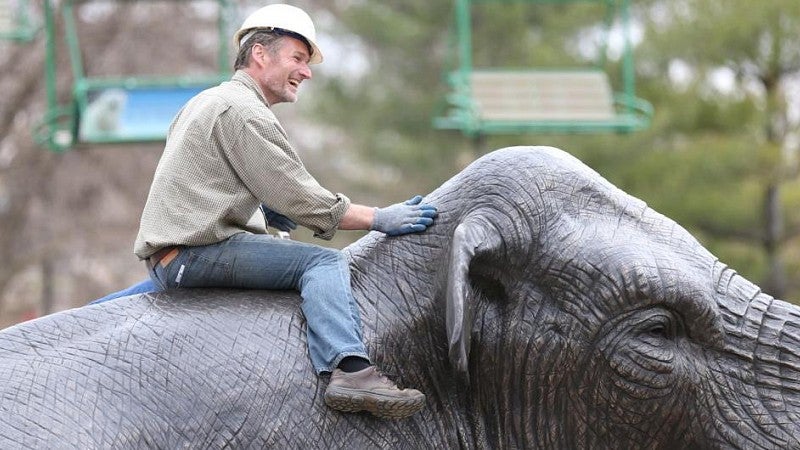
(305, 72)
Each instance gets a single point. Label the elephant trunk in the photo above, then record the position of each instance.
(756, 383)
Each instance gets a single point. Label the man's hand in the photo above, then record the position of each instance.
(276, 220)
(404, 218)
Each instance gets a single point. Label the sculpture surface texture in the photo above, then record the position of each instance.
(544, 309)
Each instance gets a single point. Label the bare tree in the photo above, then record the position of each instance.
(67, 221)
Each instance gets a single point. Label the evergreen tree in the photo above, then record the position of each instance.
(746, 129)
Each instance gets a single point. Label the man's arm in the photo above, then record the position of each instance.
(357, 217)
(401, 218)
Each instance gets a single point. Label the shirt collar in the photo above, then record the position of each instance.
(244, 78)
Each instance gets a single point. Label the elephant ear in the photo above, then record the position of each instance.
(471, 238)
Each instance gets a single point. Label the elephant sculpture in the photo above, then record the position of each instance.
(545, 308)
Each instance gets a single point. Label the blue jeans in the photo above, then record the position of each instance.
(141, 287)
(257, 261)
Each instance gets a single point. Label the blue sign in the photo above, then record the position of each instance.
(138, 114)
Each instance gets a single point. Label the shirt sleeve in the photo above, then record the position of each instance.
(270, 168)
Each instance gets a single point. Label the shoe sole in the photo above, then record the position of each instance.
(383, 406)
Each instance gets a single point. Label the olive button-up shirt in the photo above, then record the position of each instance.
(226, 153)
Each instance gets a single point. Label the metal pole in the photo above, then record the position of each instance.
(463, 25)
(50, 72)
(464, 35)
(72, 42)
(628, 71)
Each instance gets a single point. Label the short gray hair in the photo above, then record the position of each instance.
(269, 38)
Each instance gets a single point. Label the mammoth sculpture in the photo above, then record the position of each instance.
(544, 309)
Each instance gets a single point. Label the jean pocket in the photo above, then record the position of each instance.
(191, 269)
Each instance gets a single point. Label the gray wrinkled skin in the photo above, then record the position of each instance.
(544, 309)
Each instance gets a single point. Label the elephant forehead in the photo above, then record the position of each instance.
(618, 267)
(636, 262)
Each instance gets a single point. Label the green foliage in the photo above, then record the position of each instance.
(705, 162)
(738, 33)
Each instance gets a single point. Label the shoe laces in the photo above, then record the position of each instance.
(386, 378)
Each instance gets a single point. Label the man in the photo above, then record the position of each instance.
(225, 155)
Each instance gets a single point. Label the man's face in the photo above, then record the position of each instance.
(282, 73)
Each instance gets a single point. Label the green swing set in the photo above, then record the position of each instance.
(485, 101)
(104, 110)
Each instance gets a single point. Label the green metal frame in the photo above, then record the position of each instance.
(632, 113)
(59, 129)
(25, 28)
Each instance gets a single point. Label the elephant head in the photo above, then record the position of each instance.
(578, 317)
(545, 308)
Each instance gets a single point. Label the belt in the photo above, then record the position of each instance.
(163, 256)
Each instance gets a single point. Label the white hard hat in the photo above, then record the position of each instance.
(286, 17)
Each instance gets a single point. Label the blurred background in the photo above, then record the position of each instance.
(719, 155)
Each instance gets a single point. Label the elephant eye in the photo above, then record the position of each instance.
(658, 330)
(660, 325)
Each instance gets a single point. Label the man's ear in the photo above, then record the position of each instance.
(259, 55)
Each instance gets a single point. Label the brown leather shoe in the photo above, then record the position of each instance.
(370, 390)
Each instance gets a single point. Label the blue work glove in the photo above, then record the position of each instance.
(276, 220)
(404, 218)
